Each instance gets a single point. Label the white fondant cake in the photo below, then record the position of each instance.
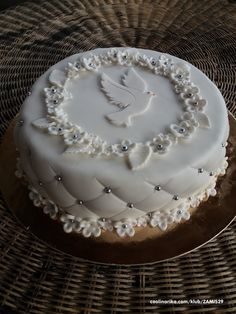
(117, 138)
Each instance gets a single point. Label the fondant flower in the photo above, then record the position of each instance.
(73, 136)
(195, 200)
(161, 220)
(184, 129)
(53, 92)
(124, 57)
(211, 191)
(70, 223)
(196, 104)
(35, 197)
(91, 63)
(125, 228)
(164, 65)
(58, 129)
(179, 213)
(180, 73)
(161, 143)
(51, 209)
(142, 221)
(105, 224)
(190, 92)
(125, 147)
(73, 69)
(143, 60)
(90, 228)
(190, 118)
(112, 54)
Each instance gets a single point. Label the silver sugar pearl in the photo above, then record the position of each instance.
(130, 205)
(157, 187)
(58, 178)
(149, 214)
(153, 62)
(179, 76)
(200, 170)
(124, 226)
(189, 95)
(182, 130)
(211, 174)
(107, 189)
(75, 136)
(159, 146)
(124, 57)
(29, 93)
(21, 122)
(103, 219)
(175, 197)
(124, 148)
(79, 202)
(40, 183)
(54, 90)
(223, 145)
(179, 212)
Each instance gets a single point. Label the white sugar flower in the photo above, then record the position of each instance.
(37, 198)
(164, 65)
(190, 118)
(142, 221)
(70, 223)
(112, 54)
(105, 224)
(51, 209)
(58, 129)
(180, 73)
(73, 136)
(144, 61)
(53, 92)
(211, 191)
(161, 143)
(91, 63)
(125, 228)
(195, 104)
(90, 228)
(195, 201)
(190, 92)
(184, 129)
(161, 220)
(73, 69)
(124, 57)
(179, 213)
(124, 147)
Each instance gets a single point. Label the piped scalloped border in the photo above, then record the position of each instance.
(79, 141)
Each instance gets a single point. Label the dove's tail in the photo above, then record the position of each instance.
(120, 118)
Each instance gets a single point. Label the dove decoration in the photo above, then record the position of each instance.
(132, 97)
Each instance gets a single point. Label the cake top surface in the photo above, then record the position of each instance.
(124, 109)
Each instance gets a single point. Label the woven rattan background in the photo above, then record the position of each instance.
(35, 35)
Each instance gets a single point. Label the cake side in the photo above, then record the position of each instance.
(160, 176)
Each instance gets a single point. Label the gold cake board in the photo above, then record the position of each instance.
(211, 218)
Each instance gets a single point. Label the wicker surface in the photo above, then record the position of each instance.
(37, 279)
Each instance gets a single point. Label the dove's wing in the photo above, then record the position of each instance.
(117, 93)
(133, 80)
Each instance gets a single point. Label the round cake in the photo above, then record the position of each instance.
(112, 141)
